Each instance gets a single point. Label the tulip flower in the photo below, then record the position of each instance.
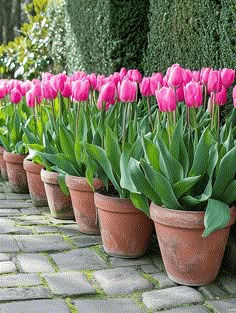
(166, 99)
(47, 91)
(204, 75)
(196, 76)
(15, 96)
(58, 82)
(135, 75)
(193, 94)
(187, 76)
(3, 89)
(220, 97)
(234, 96)
(175, 76)
(67, 90)
(214, 83)
(145, 87)
(30, 99)
(180, 94)
(80, 90)
(227, 76)
(93, 80)
(107, 95)
(156, 82)
(127, 90)
(123, 73)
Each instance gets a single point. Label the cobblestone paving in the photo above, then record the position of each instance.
(48, 266)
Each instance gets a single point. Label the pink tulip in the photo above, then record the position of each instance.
(234, 96)
(127, 91)
(156, 82)
(227, 76)
(78, 75)
(47, 91)
(196, 76)
(123, 73)
(135, 75)
(67, 90)
(100, 82)
(145, 87)
(204, 75)
(220, 97)
(58, 82)
(30, 99)
(175, 76)
(193, 94)
(107, 95)
(166, 99)
(187, 76)
(93, 80)
(3, 89)
(180, 94)
(214, 83)
(80, 90)
(15, 96)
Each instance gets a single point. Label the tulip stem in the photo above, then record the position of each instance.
(124, 124)
(213, 111)
(77, 120)
(149, 113)
(53, 115)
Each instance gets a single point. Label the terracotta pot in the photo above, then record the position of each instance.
(125, 230)
(82, 198)
(15, 171)
(36, 186)
(189, 258)
(3, 166)
(59, 204)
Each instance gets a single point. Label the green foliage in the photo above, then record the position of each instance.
(105, 35)
(27, 56)
(193, 33)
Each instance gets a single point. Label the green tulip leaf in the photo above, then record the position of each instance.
(140, 202)
(229, 195)
(182, 186)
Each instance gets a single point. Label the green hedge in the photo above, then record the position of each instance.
(195, 34)
(108, 34)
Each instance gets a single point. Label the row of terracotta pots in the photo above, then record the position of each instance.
(188, 257)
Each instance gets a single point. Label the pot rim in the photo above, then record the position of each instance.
(32, 167)
(49, 177)
(81, 184)
(13, 157)
(181, 218)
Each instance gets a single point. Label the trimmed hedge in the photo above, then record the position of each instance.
(195, 34)
(108, 33)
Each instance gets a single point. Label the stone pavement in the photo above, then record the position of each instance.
(48, 266)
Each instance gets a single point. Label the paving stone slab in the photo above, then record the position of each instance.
(157, 260)
(188, 309)
(37, 243)
(171, 297)
(150, 269)
(7, 212)
(57, 221)
(69, 283)
(69, 230)
(35, 210)
(45, 229)
(223, 306)
(81, 259)
(229, 283)
(87, 240)
(18, 280)
(120, 305)
(15, 230)
(33, 263)
(213, 292)
(6, 222)
(163, 280)
(8, 244)
(14, 196)
(120, 262)
(9, 294)
(7, 267)
(121, 280)
(12, 204)
(5, 257)
(35, 306)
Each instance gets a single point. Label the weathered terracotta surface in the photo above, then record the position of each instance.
(3, 166)
(82, 198)
(59, 204)
(189, 258)
(36, 186)
(15, 171)
(125, 230)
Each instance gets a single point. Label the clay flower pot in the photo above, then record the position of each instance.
(15, 171)
(36, 186)
(189, 258)
(59, 204)
(125, 230)
(3, 166)
(82, 198)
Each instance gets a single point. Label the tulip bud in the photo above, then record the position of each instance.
(80, 90)
(30, 99)
(145, 87)
(234, 96)
(204, 75)
(175, 77)
(193, 94)
(15, 96)
(227, 76)
(127, 90)
(166, 99)
(135, 75)
(214, 83)
(220, 97)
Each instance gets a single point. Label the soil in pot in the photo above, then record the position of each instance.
(16, 173)
(125, 230)
(189, 258)
(59, 204)
(82, 198)
(36, 186)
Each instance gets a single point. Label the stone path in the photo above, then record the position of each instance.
(47, 266)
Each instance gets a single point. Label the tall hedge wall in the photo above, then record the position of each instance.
(193, 33)
(108, 33)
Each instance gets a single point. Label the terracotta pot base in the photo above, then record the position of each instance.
(59, 204)
(82, 198)
(125, 230)
(3, 166)
(16, 173)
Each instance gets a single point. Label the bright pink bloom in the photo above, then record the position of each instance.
(234, 96)
(100, 82)
(135, 75)
(175, 76)
(67, 90)
(123, 73)
(156, 82)
(127, 90)
(3, 89)
(193, 94)
(214, 83)
(204, 75)
(93, 80)
(47, 91)
(107, 95)
(30, 99)
(166, 99)
(196, 76)
(220, 97)
(58, 82)
(46, 76)
(80, 90)
(15, 96)
(78, 75)
(180, 94)
(227, 76)
(187, 76)
(145, 87)
(25, 86)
